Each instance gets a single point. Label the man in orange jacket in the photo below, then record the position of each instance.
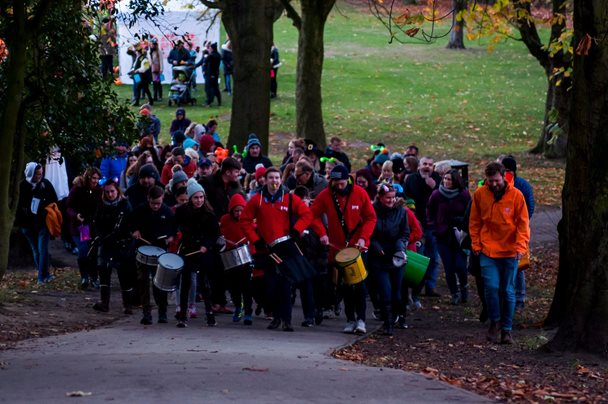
(500, 232)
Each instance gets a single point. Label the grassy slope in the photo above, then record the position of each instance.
(470, 105)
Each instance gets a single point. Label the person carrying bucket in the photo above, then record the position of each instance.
(387, 257)
(351, 220)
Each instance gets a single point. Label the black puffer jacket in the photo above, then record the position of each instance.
(391, 235)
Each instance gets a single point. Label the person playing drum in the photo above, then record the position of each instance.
(270, 209)
(152, 224)
(114, 247)
(350, 220)
(390, 237)
(200, 230)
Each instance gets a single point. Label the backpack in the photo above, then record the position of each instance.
(54, 219)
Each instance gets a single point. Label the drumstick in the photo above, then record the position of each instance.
(238, 242)
(161, 237)
(334, 246)
(192, 253)
(145, 241)
(298, 247)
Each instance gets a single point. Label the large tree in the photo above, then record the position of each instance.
(580, 304)
(457, 32)
(249, 24)
(52, 94)
(310, 23)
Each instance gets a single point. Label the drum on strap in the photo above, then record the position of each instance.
(148, 254)
(168, 271)
(416, 267)
(292, 264)
(236, 257)
(349, 259)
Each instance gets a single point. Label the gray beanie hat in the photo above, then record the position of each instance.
(193, 187)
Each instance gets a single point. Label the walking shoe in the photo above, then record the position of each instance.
(377, 315)
(146, 319)
(350, 327)
(400, 323)
(464, 294)
(182, 323)
(162, 318)
(258, 310)
(360, 328)
(49, 278)
(287, 327)
(274, 324)
(101, 307)
(455, 300)
(308, 323)
(84, 284)
(493, 332)
(192, 313)
(338, 310)
(95, 283)
(238, 314)
(177, 312)
(387, 329)
(319, 317)
(506, 337)
(248, 319)
(328, 314)
(211, 320)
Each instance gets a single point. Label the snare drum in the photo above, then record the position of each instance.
(349, 259)
(236, 257)
(168, 271)
(148, 255)
(292, 264)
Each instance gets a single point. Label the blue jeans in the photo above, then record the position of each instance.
(388, 282)
(39, 242)
(228, 83)
(454, 264)
(499, 280)
(429, 249)
(520, 288)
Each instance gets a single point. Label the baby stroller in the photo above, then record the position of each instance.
(181, 87)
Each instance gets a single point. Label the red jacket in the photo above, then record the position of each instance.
(167, 173)
(415, 230)
(359, 210)
(272, 218)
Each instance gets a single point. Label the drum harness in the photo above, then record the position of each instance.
(347, 234)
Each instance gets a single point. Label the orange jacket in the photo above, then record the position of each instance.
(499, 229)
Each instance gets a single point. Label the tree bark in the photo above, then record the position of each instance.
(249, 25)
(11, 107)
(457, 33)
(309, 113)
(584, 233)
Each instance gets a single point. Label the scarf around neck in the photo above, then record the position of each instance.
(448, 193)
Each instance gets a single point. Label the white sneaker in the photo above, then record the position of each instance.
(360, 329)
(350, 327)
(418, 305)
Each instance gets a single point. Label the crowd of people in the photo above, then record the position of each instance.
(301, 225)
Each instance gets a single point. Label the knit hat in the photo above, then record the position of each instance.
(398, 166)
(252, 141)
(236, 200)
(180, 111)
(179, 176)
(207, 142)
(148, 170)
(510, 164)
(193, 187)
(260, 172)
(230, 163)
(381, 158)
(338, 173)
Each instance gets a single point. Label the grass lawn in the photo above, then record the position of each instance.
(470, 105)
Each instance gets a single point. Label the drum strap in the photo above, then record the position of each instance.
(340, 214)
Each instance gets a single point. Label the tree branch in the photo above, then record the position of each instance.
(328, 6)
(292, 14)
(529, 34)
(217, 4)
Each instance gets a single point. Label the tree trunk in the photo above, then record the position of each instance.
(457, 33)
(9, 121)
(557, 111)
(309, 114)
(584, 234)
(249, 25)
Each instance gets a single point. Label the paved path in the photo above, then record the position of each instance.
(127, 362)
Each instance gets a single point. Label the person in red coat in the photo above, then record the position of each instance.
(350, 222)
(239, 278)
(179, 157)
(270, 210)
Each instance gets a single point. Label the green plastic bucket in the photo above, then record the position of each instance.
(415, 268)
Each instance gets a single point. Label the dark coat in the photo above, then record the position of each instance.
(84, 201)
(249, 163)
(391, 235)
(443, 214)
(111, 222)
(152, 225)
(218, 194)
(416, 188)
(45, 192)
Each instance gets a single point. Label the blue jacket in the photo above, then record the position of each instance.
(112, 167)
(526, 189)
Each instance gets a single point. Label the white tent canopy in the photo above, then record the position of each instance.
(179, 21)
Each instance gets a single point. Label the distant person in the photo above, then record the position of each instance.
(156, 61)
(500, 232)
(211, 72)
(141, 70)
(107, 46)
(254, 155)
(180, 122)
(275, 63)
(334, 149)
(228, 66)
(112, 166)
(178, 55)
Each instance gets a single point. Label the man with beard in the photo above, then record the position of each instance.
(419, 187)
(500, 232)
